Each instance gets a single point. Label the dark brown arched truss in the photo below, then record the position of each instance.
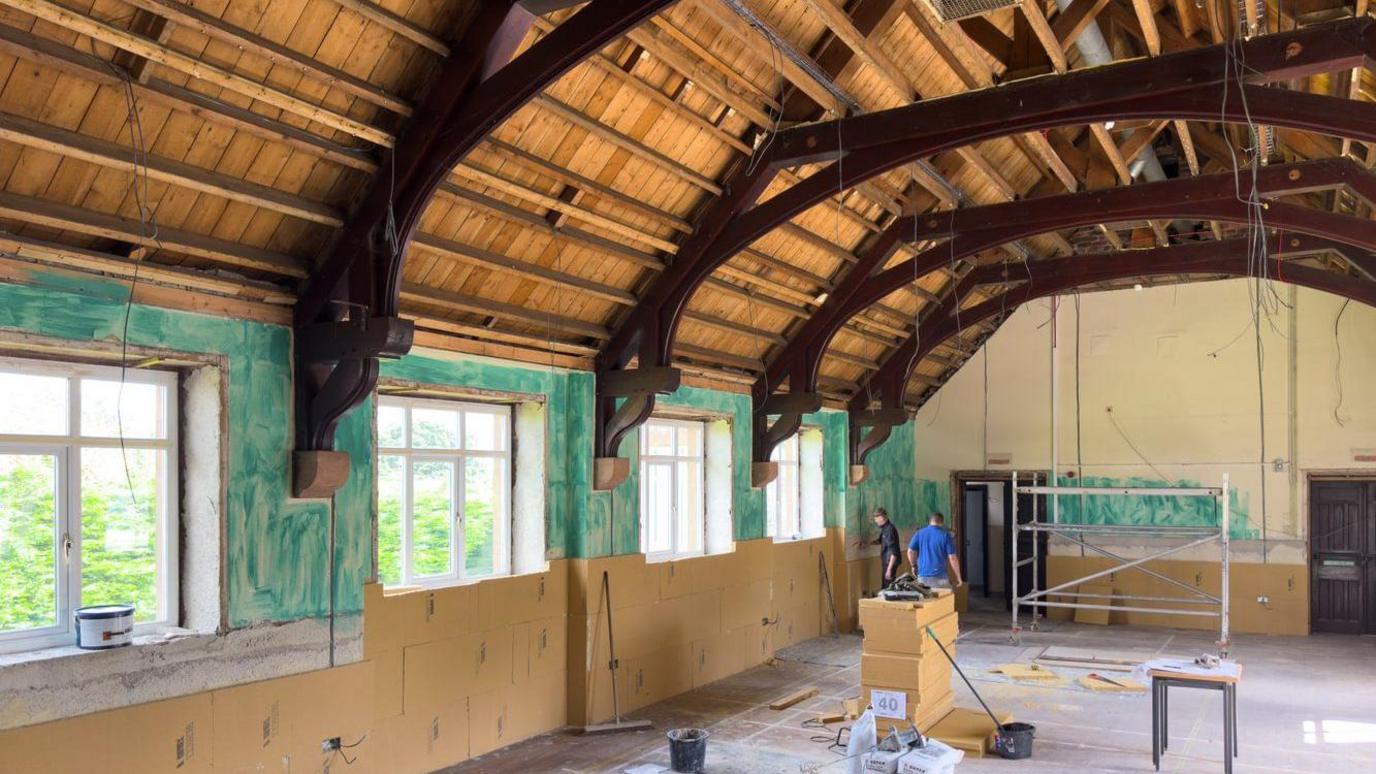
(1187, 85)
(973, 230)
(870, 425)
(347, 314)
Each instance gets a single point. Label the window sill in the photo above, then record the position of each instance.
(55, 652)
(665, 558)
(388, 591)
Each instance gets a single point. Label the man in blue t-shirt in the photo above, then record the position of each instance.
(932, 549)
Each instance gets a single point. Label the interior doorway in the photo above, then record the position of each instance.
(983, 508)
(1342, 556)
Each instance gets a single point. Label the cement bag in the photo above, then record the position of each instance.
(934, 758)
(862, 740)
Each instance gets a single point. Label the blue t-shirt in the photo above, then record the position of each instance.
(932, 544)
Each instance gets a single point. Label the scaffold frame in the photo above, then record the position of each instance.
(1081, 534)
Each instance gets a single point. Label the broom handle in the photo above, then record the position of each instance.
(978, 698)
(611, 645)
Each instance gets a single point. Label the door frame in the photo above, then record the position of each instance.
(1312, 477)
(956, 518)
(983, 537)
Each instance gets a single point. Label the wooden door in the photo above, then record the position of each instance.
(1342, 545)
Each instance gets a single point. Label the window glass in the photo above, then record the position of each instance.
(444, 491)
(34, 404)
(391, 497)
(434, 428)
(119, 528)
(391, 426)
(88, 497)
(672, 498)
(109, 407)
(433, 505)
(484, 432)
(29, 527)
(482, 503)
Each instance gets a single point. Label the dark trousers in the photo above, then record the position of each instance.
(884, 565)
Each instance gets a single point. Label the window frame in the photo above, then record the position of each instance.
(700, 460)
(773, 490)
(66, 448)
(503, 527)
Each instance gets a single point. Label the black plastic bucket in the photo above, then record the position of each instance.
(687, 750)
(1014, 740)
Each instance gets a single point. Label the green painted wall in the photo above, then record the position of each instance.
(1163, 510)
(890, 485)
(276, 549)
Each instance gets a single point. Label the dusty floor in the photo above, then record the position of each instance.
(1305, 704)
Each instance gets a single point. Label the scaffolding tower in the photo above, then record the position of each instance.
(1197, 603)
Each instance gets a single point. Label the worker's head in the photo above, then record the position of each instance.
(881, 516)
(937, 519)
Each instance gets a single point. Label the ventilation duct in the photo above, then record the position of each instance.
(954, 10)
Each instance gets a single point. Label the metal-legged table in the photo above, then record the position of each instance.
(1161, 682)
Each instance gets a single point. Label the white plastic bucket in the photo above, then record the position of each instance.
(99, 627)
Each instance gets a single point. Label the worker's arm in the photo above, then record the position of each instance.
(912, 560)
(891, 571)
(955, 569)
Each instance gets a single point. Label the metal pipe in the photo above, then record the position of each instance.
(1137, 598)
(1095, 51)
(1171, 491)
(1153, 573)
(1123, 609)
(1128, 565)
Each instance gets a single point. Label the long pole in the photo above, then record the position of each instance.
(1014, 551)
(978, 698)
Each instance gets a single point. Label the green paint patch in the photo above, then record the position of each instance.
(1164, 510)
(276, 557)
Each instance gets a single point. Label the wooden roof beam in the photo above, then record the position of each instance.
(99, 224)
(213, 27)
(399, 25)
(53, 139)
(95, 29)
(30, 47)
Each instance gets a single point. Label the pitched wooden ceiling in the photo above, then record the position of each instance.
(218, 145)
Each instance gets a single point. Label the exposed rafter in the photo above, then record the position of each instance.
(348, 313)
(1188, 84)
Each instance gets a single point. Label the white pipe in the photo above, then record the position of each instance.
(1055, 424)
(1096, 52)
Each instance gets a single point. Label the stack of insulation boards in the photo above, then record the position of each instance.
(899, 656)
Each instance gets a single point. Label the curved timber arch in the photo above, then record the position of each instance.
(347, 313)
(973, 230)
(1232, 257)
(1191, 84)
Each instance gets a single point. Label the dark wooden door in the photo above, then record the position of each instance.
(1342, 546)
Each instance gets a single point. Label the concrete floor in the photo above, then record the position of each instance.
(1305, 704)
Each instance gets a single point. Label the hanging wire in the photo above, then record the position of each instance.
(148, 228)
(1338, 366)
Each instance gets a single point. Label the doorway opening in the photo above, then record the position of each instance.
(982, 502)
(1342, 556)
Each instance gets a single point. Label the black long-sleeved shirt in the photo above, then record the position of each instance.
(890, 545)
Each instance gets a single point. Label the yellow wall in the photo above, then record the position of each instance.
(1179, 368)
(455, 673)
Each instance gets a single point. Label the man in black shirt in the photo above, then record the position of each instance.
(891, 551)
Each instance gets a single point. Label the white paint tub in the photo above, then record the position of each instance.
(99, 627)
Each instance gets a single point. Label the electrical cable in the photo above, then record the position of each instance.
(148, 226)
(1114, 421)
(1338, 366)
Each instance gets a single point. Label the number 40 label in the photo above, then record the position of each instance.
(889, 704)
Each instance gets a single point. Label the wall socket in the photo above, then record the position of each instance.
(331, 744)
(1262, 599)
